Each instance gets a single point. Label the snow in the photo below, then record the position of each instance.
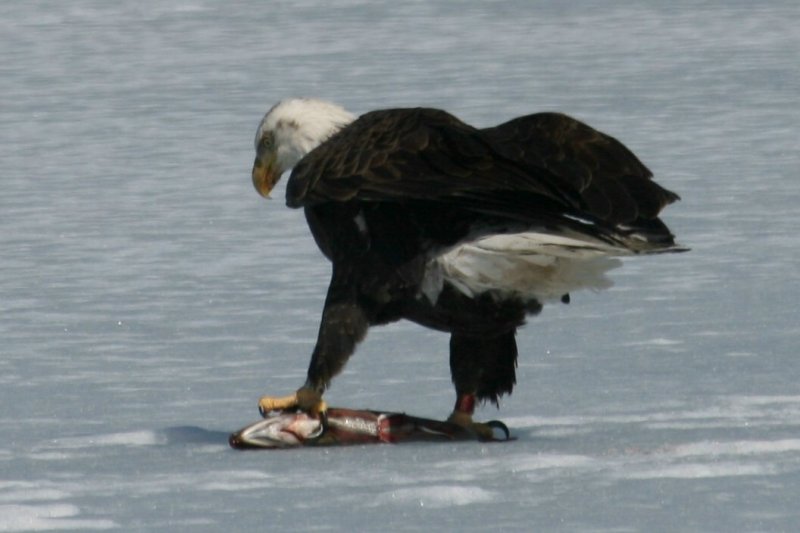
(148, 296)
(47, 518)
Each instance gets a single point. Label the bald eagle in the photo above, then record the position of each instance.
(457, 228)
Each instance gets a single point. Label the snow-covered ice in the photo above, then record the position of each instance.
(148, 296)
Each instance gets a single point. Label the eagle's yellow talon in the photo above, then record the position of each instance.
(267, 404)
(304, 399)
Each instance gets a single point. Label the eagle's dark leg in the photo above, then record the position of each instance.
(482, 369)
(344, 324)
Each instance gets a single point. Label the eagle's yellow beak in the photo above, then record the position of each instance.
(265, 174)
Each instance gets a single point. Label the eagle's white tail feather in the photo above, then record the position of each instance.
(526, 265)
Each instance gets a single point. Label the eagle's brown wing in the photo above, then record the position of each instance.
(611, 182)
(539, 167)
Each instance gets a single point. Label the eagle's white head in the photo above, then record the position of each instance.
(290, 130)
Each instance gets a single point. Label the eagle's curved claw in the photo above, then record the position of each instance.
(485, 431)
(488, 431)
(323, 427)
(497, 424)
(304, 399)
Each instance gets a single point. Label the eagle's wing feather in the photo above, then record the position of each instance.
(612, 183)
(405, 153)
(539, 167)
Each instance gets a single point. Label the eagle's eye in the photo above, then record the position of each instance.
(267, 142)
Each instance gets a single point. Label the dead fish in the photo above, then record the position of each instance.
(350, 426)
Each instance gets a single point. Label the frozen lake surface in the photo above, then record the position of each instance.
(148, 296)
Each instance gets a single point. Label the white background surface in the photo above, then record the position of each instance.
(148, 296)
